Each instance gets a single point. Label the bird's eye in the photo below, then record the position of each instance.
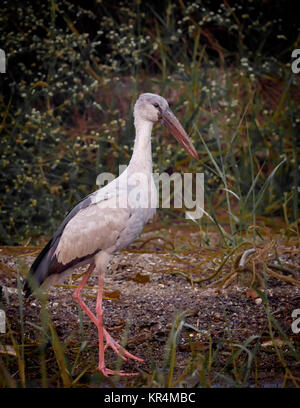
(156, 105)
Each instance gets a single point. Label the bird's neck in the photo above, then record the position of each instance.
(142, 155)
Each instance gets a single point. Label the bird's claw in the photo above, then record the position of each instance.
(106, 372)
(119, 350)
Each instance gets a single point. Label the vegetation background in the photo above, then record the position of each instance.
(75, 69)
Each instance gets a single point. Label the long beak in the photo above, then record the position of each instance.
(173, 124)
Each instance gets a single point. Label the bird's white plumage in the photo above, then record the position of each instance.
(104, 226)
(119, 211)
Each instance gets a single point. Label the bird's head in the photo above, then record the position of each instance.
(153, 108)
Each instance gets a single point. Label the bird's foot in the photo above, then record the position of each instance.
(106, 372)
(119, 350)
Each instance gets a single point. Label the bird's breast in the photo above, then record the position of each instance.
(142, 203)
(133, 228)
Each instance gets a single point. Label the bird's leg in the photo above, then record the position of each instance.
(118, 349)
(109, 340)
(99, 314)
(98, 321)
(77, 295)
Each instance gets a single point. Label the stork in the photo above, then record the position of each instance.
(99, 225)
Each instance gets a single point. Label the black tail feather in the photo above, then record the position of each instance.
(39, 268)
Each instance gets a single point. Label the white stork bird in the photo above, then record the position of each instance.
(98, 226)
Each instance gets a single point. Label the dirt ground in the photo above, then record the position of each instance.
(144, 291)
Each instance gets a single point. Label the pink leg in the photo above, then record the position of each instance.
(99, 314)
(98, 321)
(77, 294)
(110, 342)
